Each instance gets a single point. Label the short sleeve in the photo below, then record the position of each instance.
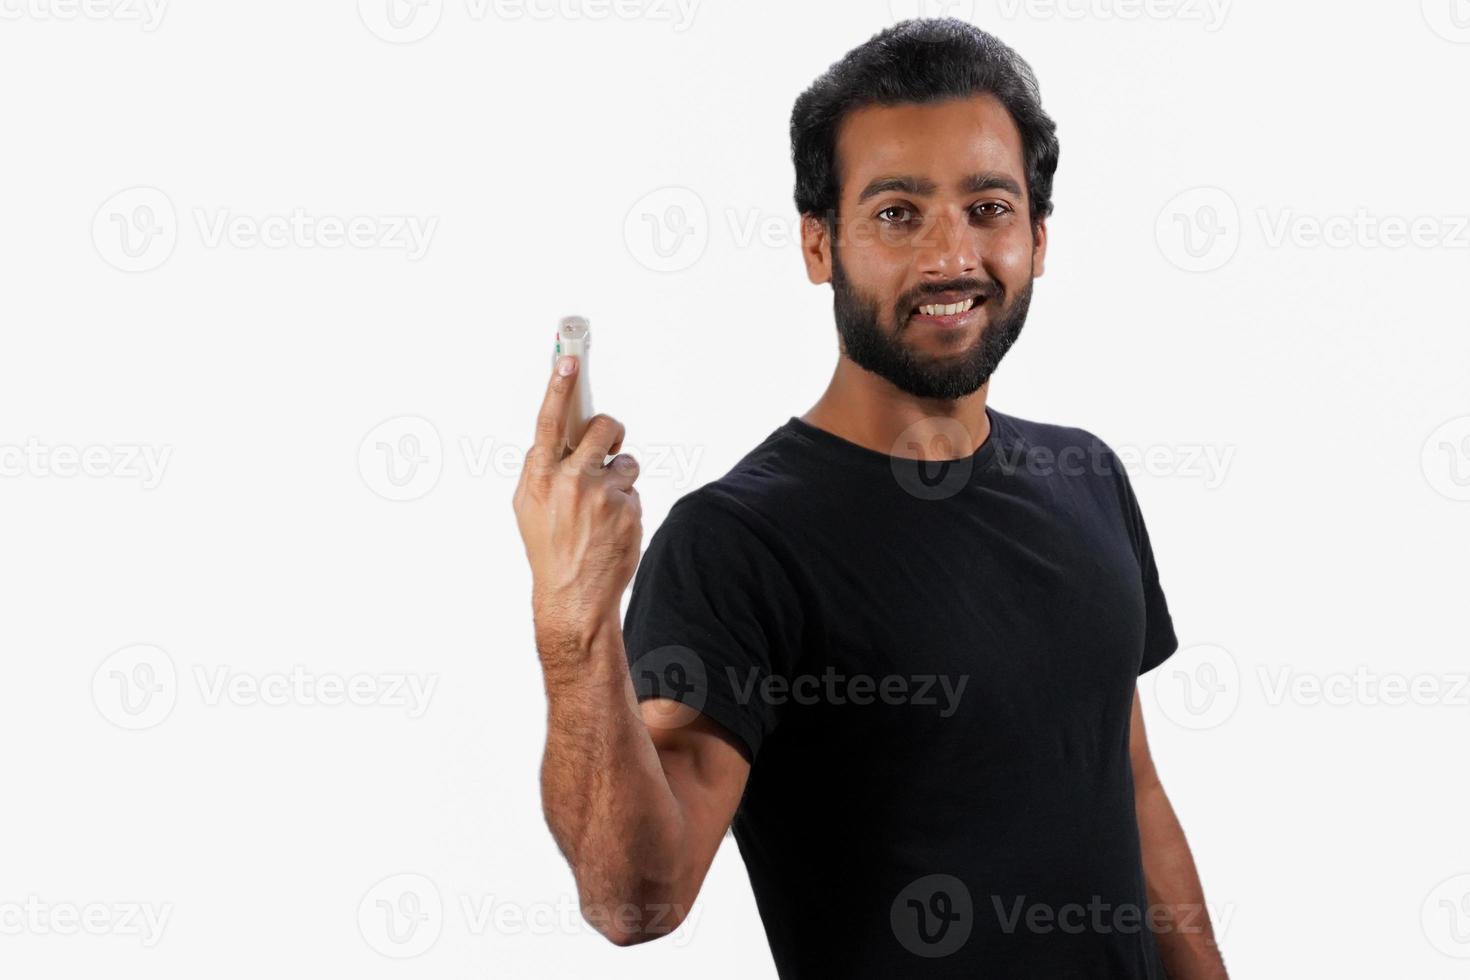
(713, 617)
(1159, 640)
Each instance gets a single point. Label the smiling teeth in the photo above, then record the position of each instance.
(946, 309)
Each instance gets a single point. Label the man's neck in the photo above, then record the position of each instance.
(865, 409)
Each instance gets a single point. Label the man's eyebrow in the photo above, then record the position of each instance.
(975, 183)
(923, 186)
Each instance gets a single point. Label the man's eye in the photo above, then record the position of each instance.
(1000, 209)
(893, 207)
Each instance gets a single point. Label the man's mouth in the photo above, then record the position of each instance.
(948, 311)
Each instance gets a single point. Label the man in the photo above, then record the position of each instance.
(898, 642)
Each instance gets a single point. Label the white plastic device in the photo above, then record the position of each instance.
(574, 336)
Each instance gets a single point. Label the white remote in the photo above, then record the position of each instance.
(574, 336)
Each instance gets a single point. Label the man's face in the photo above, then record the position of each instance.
(933, 210)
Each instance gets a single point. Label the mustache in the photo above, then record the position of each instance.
(988, 289)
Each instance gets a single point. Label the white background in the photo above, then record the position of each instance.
(289, 392)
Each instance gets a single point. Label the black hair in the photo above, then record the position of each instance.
(918, 60)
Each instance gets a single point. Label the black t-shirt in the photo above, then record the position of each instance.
(931, 667)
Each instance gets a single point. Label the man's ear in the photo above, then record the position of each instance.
(1038, 252)
(816, 248)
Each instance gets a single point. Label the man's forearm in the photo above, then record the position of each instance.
(606, 798)
(1185, 935)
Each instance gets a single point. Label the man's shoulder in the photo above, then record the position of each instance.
(1047, 446)
(761, 489)
(1053, 435)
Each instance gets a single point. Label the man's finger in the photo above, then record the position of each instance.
(551, 421)
(622, 470)
(603, 432)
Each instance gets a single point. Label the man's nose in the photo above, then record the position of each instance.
(949, 246)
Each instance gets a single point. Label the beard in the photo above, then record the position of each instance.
(883, 352)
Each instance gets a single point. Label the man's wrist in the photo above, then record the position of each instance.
(590, 655)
